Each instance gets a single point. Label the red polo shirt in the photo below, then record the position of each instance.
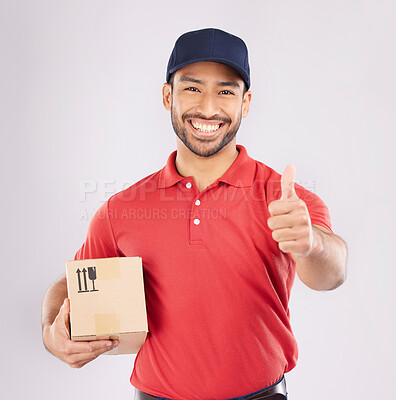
(217, 285)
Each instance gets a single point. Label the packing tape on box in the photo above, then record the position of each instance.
(107, 272)
(107, 324)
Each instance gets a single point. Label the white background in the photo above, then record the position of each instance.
(80, 87)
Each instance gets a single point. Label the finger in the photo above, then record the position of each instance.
(281, 221)
(300, 247)
(282, 235)
(287, 182)
(280, 207)
(288, 234)
(101, 344)
(87, 357)
(89, 347)
(287, 246)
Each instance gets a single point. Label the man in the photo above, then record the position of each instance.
(221, 237)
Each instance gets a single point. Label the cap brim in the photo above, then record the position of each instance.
(235, 67)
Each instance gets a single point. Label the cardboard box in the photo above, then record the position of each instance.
(107, 301)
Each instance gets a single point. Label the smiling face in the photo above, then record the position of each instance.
(206, 104)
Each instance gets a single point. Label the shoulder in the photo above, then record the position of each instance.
(135, 191)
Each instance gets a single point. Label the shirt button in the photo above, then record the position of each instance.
(197, 202)
(196, 221)
(188, 185)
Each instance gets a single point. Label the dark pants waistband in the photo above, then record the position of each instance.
(274, 392)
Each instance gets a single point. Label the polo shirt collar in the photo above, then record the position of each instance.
(239, 174)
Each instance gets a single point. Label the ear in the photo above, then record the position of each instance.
(167, 96)
(246, 103)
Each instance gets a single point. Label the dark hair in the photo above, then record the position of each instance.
(172, 78)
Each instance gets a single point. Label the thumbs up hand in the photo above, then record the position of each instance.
(290, 221)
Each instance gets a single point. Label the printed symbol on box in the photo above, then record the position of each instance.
(91, 276)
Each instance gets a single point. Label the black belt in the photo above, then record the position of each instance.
(276, 391)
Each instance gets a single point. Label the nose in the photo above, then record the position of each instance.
(208, 105)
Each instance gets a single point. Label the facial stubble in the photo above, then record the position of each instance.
(202, 146)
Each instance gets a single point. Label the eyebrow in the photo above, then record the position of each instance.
(219, 83)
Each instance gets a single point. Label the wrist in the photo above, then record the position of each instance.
(316, 247)
(317, 243)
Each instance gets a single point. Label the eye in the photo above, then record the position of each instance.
(226, 91)
(191, 87)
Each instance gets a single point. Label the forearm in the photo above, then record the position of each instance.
(325, 267)
(52, 302)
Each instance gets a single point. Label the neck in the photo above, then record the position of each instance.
(204, 170)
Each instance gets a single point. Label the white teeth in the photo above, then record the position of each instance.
(205, 128)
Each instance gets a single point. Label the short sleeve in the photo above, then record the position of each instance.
(317, 209)
(100, 241)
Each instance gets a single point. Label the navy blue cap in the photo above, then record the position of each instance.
(210, 44)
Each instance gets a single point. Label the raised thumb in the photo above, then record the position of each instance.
(287, 182)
